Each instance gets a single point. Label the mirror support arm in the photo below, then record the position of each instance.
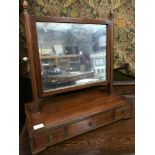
(111, 47)
(35, 103)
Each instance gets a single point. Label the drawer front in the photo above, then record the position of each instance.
(123, 112)
(50, 137)
(79, 127)
(103, 118)
(90, 123)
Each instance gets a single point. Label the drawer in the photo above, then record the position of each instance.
(90, 123)
(103, 118)
(50, 137)
(123, 112)
(79, 127)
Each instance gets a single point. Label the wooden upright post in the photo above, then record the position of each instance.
(27, 17)
(111, 47)
(111, 57)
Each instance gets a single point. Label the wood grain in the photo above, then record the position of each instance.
(74, 115)
(124, 87)
(114, 139)
(37, 65)
(76, 106)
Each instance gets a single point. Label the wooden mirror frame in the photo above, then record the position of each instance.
(34, 60)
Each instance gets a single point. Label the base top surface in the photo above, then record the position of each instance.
(67, 108)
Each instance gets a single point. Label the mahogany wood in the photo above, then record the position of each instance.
(109, 58)
(110, 46)
(50, 137)
(84, 111)
(113, 139)
(33, 51)
(104, 118)
(68, 112)
(124, 87)
(35, 104)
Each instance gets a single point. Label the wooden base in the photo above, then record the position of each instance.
(68, 115)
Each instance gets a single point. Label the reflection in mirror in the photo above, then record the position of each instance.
(71, 54)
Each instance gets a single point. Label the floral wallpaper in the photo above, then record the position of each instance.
(123, 15)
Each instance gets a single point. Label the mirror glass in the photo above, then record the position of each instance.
(71, 54)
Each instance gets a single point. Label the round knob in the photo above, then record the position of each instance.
(91, 124)
(50, 138)
(25, 58)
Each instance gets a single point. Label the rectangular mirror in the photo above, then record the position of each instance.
(71, 54)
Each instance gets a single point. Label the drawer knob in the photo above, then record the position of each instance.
(91, 124)
(50, 139)
(122, 111)
(25, 59)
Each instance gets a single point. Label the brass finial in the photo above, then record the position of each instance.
(25, 6)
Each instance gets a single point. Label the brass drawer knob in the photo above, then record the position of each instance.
(124, 111)
(91, 124)
(50, 139)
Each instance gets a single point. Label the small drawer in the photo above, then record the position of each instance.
(103, 118)
(123, 112)
(50, 137)
(79, 127)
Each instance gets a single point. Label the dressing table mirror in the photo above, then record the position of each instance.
(72, 78)
(71, 54)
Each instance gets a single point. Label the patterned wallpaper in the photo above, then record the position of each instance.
(123, 16)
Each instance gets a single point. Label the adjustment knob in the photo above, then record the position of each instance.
(25, 59)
